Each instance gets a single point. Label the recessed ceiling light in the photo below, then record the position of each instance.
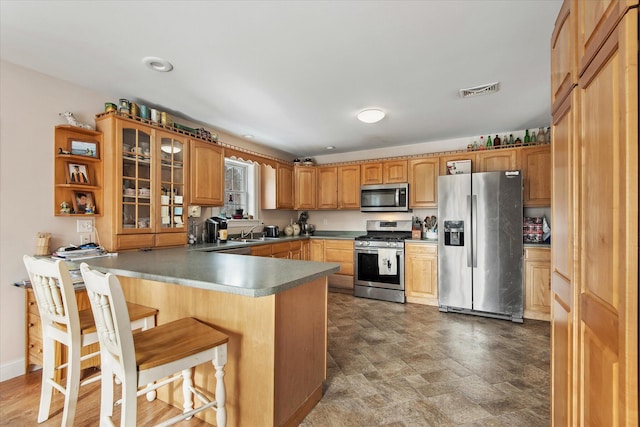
(157, 64)
(330, 147)
(248, 136)
(371, 115)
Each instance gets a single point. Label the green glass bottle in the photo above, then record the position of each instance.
(511, 141)
(527, 137)
(489, 143)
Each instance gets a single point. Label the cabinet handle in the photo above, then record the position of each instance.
(31, 302)
(31, 325)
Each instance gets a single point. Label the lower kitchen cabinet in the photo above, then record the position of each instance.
(339, 251)
(33, 336)
(421, 273)
(296, 249)
(537, 283)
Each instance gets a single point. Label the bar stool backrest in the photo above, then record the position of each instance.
(55, 296)
(110, 313)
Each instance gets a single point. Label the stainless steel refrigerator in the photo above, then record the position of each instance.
(480, 244)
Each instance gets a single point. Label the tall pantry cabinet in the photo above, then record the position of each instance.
(145, 185)
(594, 262)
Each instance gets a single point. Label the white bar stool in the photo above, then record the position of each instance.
(62, 322)
(147, 356)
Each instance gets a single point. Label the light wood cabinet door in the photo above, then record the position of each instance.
(394, 171)
(607, 235)
(563, 292)
(595, 21)
(423, 182)
(421, 273)
(371, 173)
(305, 250)
(564, 74)
(349, 187)
(497, 160)
(327, 187)
(536, 171)
(537, 283)
(284, 186)
(206, 182)
(340, 251)
(316, 250)
(305, 187)
(261, 250)
(461, 156)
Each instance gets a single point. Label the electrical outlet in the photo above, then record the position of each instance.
(85, 238)
(195, 211)
(324, 221)
(84, 226)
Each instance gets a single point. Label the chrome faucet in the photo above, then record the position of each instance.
(244, 234)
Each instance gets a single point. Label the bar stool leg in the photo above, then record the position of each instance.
(187, 391)
(46, 389)
(219, 361)
(73, 384)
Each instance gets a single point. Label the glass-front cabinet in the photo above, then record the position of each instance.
(147, 196)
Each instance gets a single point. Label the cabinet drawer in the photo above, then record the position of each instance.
(171, 239)
(420, 249)
(278, 248)
(32, 306)
(34, 339)
(135, 241)
(543, 254)
(262, 250)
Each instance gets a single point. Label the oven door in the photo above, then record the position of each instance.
(367, 272)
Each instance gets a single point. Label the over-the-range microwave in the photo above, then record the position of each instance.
(384, 198)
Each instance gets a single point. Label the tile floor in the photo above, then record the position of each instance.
(410, 365)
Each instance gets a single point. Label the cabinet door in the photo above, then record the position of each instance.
(371, 173)
(607, 237)
(340, 251)
(394, 171)
(537, 283)
(261, 250)
(138, 153)
(563, 293)
(284, 186)
(349, 187)
(305, 250)
(316, 250)
(169, 192)
(497, 160)
(595, 21)
(461, 156)
(536, 171)
(305, 187)
(563, 54)
(423, 182)
(421, 273)
(327, 187)
(206, 174)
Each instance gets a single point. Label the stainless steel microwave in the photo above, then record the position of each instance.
(384, 198)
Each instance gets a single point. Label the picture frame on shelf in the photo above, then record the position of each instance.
(84, 202)
(78, 173)
(84, 148)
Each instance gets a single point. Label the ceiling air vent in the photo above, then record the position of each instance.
(480, 90)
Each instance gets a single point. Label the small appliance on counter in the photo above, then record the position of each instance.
(306, 229)
(271, 230)
(212, 229)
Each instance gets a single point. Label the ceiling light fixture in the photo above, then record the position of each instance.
(248, 136)
(330, 147)
(371, 115)
(157, 64)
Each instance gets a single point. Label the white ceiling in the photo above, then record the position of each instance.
(295, 73)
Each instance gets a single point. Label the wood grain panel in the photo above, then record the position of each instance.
(563, 54)
(423, 182)
(371, 173)
(562, 364)
(349, 187)
(327, 191)
(394, 171)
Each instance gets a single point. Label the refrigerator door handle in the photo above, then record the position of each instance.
(474, 229)
(468, 243)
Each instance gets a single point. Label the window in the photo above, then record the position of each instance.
(239, 187)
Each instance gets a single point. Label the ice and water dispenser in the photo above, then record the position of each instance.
(454, 233)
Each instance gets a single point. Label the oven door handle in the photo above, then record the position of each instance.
(399, 251)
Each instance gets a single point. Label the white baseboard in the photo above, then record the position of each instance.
(12, 369)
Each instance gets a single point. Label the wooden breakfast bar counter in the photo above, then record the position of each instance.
(273, 310)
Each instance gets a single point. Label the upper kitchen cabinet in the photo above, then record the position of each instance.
(459, 156)
(284, 186)
(595, 21)
(423, 182)
(536, 175)
(77, 170)
(327, 188)
(305, 187)
(497, 160)
(385, 172)
(564, 74)
(145, 191)
(349, 187)
(206, 184)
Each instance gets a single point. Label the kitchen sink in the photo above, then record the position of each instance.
(243, 240)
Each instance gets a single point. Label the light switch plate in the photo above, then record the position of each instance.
(84, 226)
(195, 211)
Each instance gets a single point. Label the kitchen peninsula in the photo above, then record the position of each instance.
(274, 311)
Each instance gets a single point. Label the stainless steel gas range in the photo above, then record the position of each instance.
(379, 260)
